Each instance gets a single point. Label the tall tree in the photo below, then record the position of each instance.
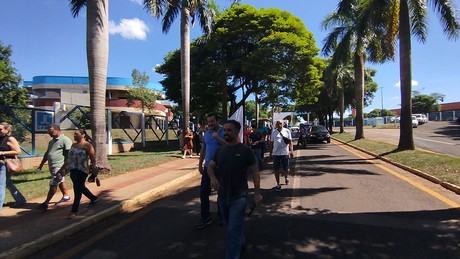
(354, 38)
(268, 53)
(204, 11)
(97, 52)
(140, 92)
(10, 92)
(404, 19)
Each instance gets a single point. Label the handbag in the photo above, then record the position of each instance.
(14, 165)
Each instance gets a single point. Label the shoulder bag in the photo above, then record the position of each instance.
(287, 141)
(14, 165)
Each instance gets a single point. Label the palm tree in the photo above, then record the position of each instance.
(354, 37)
(205, 11)
(403, 19)
(97, 48)
(347, 42)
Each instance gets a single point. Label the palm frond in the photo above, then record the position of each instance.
(419, 19)
(76, 6)
(170, 15)
(448, 16)
(156, 7)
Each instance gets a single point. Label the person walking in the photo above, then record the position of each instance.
(9, 148)
(228, 171)
(212, 140)
(281, 149)
(77, 163)
(188, 143)
(56, 155)
(257, 143)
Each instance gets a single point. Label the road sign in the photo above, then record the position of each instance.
(43, 120)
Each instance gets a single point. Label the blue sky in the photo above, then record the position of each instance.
(47, 40)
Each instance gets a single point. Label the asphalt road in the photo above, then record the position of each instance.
(341, 203)
(436, 136)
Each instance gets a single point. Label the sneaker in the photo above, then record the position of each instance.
(278, 188)
(65, 199)
(43, 206)
(92, 203)
(191, 156)
(72, 215)
(287, 181)
(203, 223)
(183, 157)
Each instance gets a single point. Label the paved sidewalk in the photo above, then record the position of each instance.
(26, 230)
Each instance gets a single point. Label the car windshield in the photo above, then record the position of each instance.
(319, 129)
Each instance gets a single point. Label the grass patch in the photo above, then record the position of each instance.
(35, 184)
(444, 167)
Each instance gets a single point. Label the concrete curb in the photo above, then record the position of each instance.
(449, 186)
(125, 206)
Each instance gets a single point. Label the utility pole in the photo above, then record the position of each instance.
(381, 91)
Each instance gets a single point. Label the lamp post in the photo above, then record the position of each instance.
(381, 91)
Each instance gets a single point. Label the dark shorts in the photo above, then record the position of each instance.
(281, 162)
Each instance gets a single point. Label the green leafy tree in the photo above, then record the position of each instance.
(205, 88)
(378, 113)
(97, 51)
(403, 19)
(267, 53)
(422, 103)
(140, 91)
(168, 10)
(10, 91)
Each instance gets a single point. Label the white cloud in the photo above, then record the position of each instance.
(132, 29)
(414, 83)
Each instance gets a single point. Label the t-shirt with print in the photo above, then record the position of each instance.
(279, 147)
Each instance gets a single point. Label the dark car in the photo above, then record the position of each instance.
(318, 134)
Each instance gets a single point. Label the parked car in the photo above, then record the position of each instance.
(421, 118)
(414, 121)
(318, 134)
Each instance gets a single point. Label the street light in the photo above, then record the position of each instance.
(381, 91)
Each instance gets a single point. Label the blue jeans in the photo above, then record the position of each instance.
(233, 211)
(2, 184)
(7, 183)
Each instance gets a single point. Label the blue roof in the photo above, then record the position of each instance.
(77, 80)
(83, 80)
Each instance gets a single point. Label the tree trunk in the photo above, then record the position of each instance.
(406, 138)
(341, 106)
(185, 64)
(224, 95)
(97, 48)
(359, 95)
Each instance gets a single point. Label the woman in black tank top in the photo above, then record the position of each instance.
(9, 147)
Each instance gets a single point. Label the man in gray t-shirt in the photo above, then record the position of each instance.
(56, 155)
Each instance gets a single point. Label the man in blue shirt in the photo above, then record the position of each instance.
(212, 140)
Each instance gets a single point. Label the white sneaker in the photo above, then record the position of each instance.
(191, 156)
(183, 157)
